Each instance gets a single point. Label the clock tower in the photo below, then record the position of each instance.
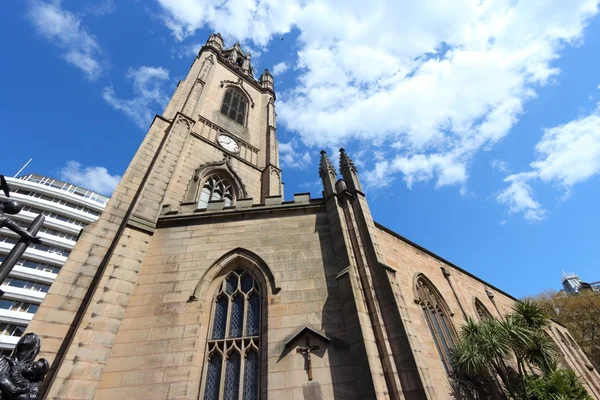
(233, 118)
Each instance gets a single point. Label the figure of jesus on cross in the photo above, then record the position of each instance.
(306, 350)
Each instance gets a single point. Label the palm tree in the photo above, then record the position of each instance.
(492, 359)
(480, 357)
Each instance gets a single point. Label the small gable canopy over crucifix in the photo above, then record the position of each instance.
(309, 346)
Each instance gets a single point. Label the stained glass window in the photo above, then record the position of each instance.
(234, 105)
(251, 376)
(436, 315)
(213, 377)
(252, 324)
(237, 316)
(234, 340)
(216, 188)
(220, 318)
(232, 376)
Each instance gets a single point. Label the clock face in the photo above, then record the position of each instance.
(228, 143)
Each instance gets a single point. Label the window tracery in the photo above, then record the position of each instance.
(235, 105)
(232, 370)
(216, 188)
(436, 314)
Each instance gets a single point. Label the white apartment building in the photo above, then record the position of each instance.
(68, 208)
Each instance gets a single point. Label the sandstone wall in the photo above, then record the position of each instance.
(159, 349)
(459, 291)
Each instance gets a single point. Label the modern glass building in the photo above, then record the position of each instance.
(68, 208)
(572, 284)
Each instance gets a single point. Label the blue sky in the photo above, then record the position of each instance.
(475, 124)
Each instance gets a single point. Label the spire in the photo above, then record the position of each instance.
(346, 163)
(328, 174)
(266, 80)
(325, 165)
(215, 40)
(349, 172)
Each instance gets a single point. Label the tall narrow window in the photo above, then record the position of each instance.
(482, 311)
(234, 105)
(216, 188)
(559, 353)
(232, 365)
(576, 352)
(436, 314)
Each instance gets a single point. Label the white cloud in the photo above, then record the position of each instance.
(66, 31)
(418, 168)
(519, 198)
(149, 94)
(253, 20)
(189, 50)
(280, 68)
(443, 79)
(291, 157)
(570, 153)
(566, 155)
(94, 178)
(101, 8)
(499, 165)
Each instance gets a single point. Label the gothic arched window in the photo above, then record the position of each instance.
(216, 188)
(232, 364)
(235, 105)
(482, 311)
(437, 315)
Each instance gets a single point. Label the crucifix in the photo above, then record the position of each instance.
(306, 352)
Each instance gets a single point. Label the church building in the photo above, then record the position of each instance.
(199, 281)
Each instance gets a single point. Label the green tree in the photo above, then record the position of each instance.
(556, 385)
(511, 358)
(580, 313)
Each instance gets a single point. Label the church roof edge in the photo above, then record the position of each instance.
(439, 258)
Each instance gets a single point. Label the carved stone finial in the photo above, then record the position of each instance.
(325, 165)
(21, 376)
(346, 163)
(266, 80)
(266, 74)
(216, 36)
(349, 172)
(328, 174)
(446, 272)
(215, 40)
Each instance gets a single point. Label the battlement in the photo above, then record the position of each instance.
(189, 210)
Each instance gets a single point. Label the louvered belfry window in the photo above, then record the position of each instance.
(438, 320)
(234, 105)
(216, 188)
(232, 370)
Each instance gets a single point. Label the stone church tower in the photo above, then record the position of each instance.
(200, 282)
